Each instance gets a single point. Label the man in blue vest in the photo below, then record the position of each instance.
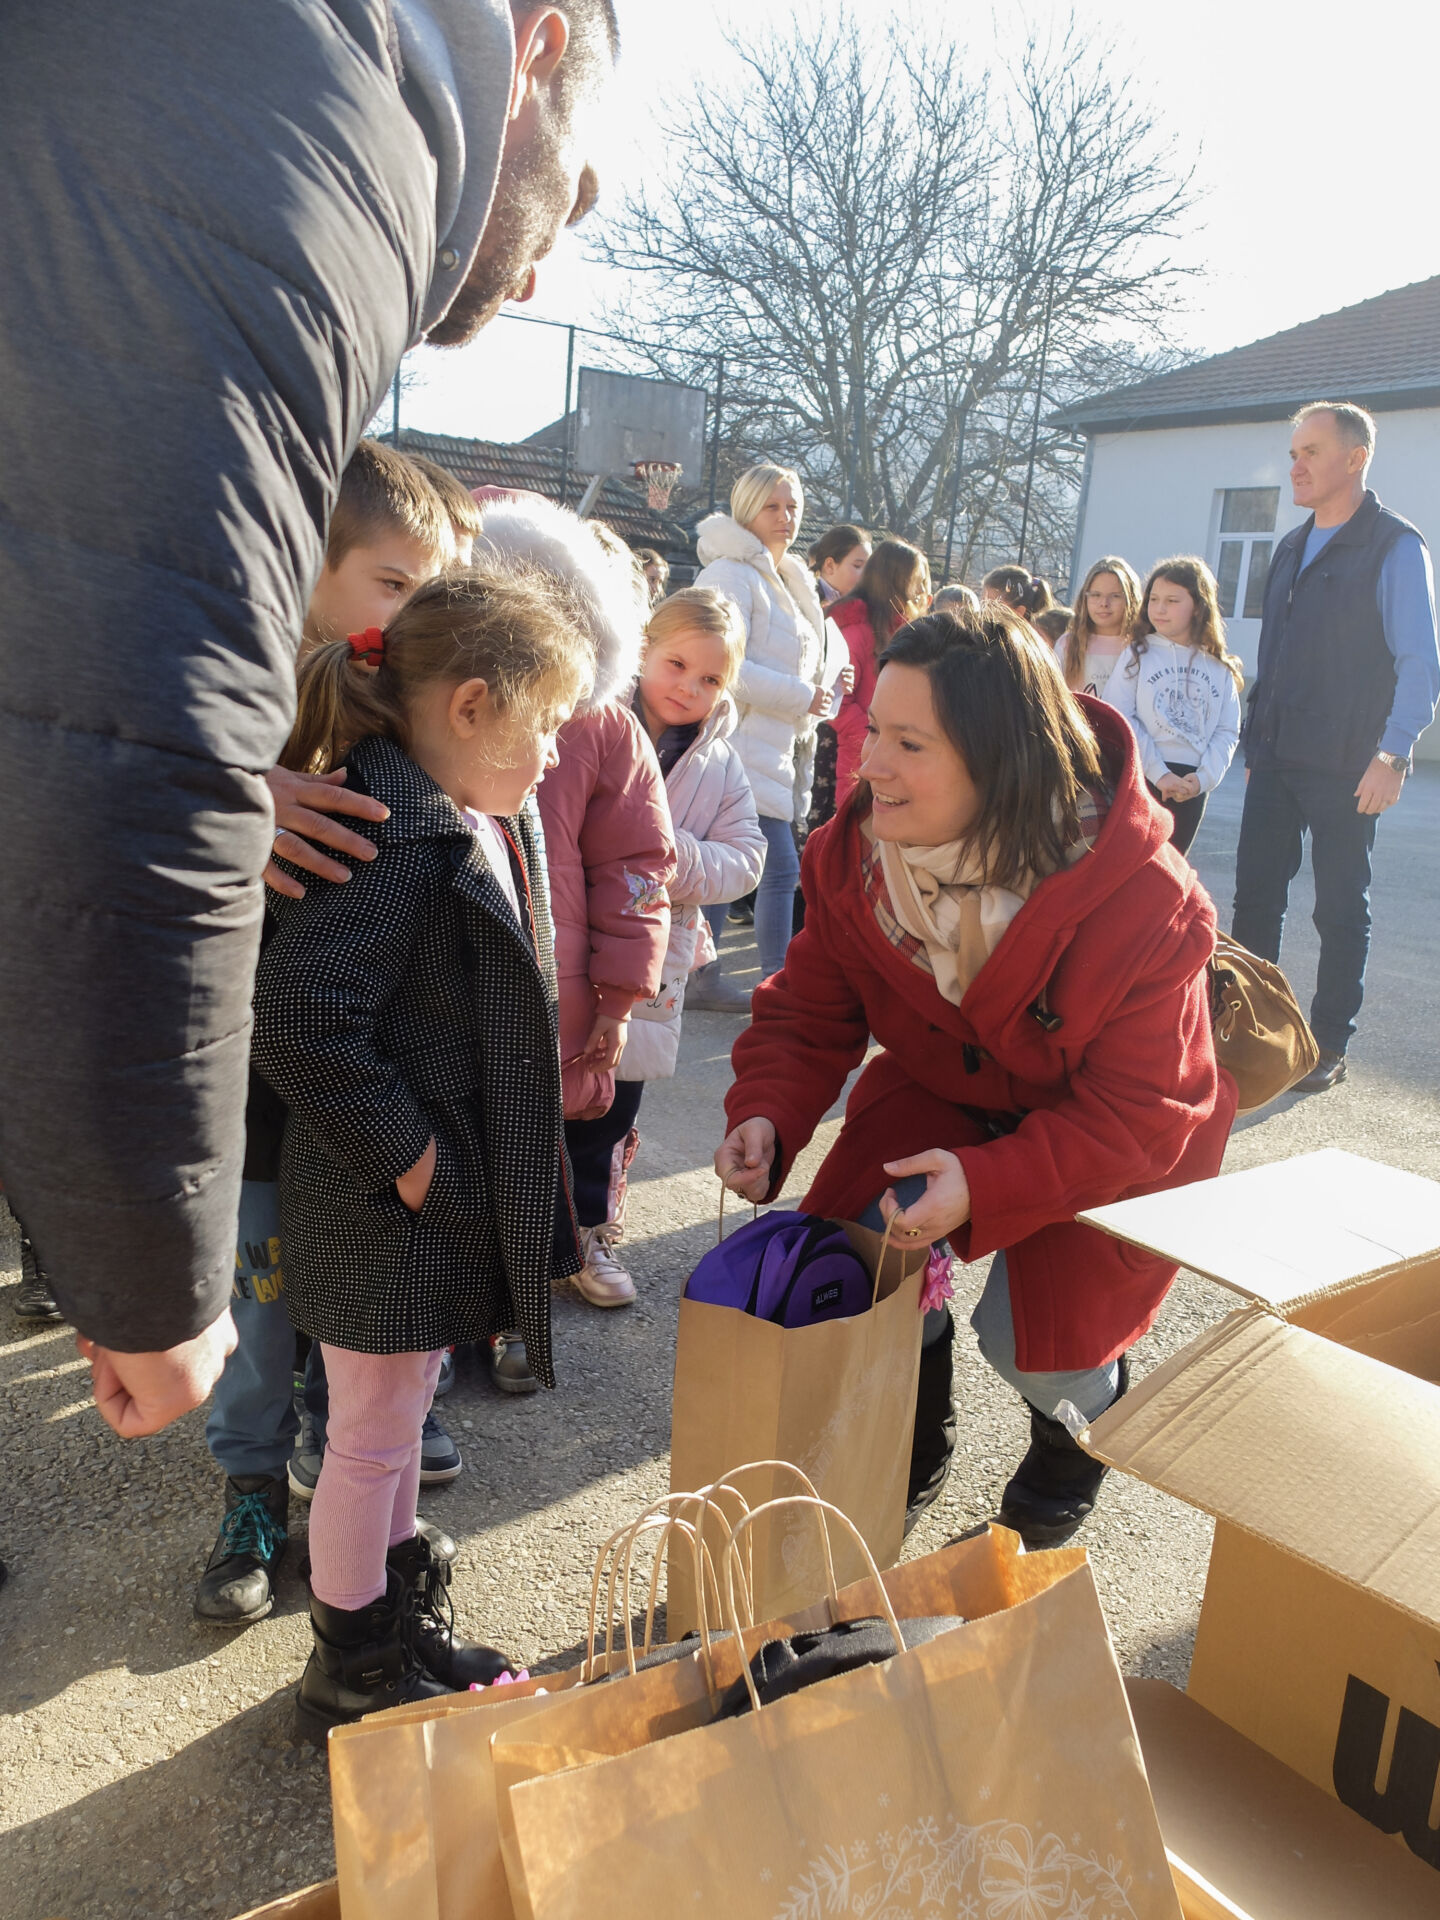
(1348, 678)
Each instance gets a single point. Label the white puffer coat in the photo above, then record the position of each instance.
(719, 855)
(788, 657)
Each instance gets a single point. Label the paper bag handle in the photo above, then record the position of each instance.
(609, 1556)
(720, 1222)
(823, 1507)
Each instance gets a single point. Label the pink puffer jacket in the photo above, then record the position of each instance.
(609, 851)
(610, 855)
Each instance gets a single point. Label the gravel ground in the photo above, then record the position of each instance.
(147, 1763)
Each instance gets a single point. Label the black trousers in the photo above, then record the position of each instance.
(1281, 807)
(591, 1145)
(1187, 814)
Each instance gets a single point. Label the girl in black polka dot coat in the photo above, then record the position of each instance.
(407, 1018)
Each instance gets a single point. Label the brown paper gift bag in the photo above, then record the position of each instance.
(412, 1789)
(837, 1400)
(993, 1771)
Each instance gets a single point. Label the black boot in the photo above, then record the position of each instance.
(361, 1661)
(933, 1446)
(1054, 1488)
(33, 1298)
(430, 1620)
(235, 1586)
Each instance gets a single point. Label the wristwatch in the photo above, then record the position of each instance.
(1397, 762)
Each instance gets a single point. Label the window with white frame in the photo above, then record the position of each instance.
(1245, 542)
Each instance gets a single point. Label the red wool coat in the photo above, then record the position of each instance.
(1122, 1097)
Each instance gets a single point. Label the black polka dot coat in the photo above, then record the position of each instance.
(401, 1003)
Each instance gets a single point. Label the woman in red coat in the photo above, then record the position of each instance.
(894, 588)
(999, 907)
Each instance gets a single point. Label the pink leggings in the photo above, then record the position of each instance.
(365, 1498)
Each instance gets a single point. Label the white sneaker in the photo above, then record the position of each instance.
(602, 1280)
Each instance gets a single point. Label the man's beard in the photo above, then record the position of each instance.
(533, 200)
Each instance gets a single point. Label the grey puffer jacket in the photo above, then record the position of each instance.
(220, 235)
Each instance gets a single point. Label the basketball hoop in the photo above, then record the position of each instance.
(661, 477)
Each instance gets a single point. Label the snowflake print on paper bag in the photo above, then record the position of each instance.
(999, 1871)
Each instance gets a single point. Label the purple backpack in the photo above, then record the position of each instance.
(791, 1268)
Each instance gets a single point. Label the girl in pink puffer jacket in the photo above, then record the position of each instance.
(609, 855)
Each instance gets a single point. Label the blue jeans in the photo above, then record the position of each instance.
(775, 896)
(253, 1422)
(1091, 1389)
(1280, 807)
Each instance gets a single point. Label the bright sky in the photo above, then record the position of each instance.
(1315, 130)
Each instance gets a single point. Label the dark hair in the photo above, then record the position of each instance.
(383, 491)
(1026, 592)
(1054, 623)
(834, 544)
(887, 585)
(1207, 629)
(1025, 742)
(515, 630)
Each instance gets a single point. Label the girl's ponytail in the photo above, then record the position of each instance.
(341, 698)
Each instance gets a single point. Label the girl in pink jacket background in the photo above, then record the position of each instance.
(610, 857)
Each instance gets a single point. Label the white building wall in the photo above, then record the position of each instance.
(1157, 492)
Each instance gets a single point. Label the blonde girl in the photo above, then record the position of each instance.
(1107, 612)
(694, 644)
(1179, 687)
(407, 1020)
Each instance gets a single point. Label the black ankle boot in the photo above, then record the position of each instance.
(361, 1661)
(235, 1587)
(933, 1446)
(1054, 1488)
(33, 1298)
(430, 1620)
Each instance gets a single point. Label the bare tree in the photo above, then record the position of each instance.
(881, 241)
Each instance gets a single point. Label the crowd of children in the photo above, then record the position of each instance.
(454, 1025)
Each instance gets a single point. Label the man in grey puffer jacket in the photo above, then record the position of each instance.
(223, 226)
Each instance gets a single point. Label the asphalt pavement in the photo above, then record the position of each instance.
(148, 1765)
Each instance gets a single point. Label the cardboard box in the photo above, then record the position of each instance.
(1308, 1424)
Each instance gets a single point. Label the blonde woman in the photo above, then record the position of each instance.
(1107, 612)
(786, 683)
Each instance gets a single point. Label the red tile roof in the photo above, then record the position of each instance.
(1383, 353)
(541, 469)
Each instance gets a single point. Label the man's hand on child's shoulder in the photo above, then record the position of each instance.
(304, 803)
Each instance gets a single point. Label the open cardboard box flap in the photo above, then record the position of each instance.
(1287, 1234)
(1328, 1453)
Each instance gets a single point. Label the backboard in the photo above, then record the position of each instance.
(625, 417)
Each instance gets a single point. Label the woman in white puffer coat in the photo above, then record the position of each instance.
(786, 684)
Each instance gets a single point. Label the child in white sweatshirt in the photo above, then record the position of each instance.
(1179, 688)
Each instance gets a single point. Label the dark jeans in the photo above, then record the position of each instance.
(1187, 814)
(1280, 807)
(591, 1145)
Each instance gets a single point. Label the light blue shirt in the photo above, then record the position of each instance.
(1406, 598)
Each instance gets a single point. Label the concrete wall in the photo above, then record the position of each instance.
(1155, 493)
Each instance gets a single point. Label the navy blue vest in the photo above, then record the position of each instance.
(1326, 679)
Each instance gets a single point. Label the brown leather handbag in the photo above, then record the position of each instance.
(1262, 1039)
